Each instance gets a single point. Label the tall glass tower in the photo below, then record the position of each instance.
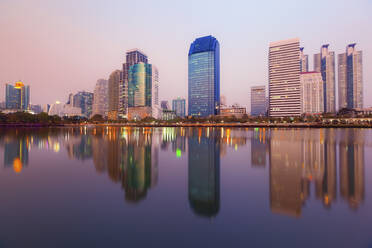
(17, 96)
(204, 77)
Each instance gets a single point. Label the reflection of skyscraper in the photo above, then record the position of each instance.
(287, 187)
(259, 147)
(352, 167)
(131, 158)
(325, 186)
(16, 154)
(204, 173)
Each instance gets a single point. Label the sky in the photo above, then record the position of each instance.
(61, 47)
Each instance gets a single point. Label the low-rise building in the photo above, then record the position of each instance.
(234, 110)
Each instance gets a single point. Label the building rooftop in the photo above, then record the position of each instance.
(284, 42)
(203, 44)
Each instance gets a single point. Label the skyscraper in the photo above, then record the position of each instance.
(284, 78)
(312, 100)
(258, 100)
(84, 100)
(17, 96)
(133, 56)
(204, 77)
(350, 78)
(164, 104)
(143, 91)
(324, 62)
(113, 95)
(179, 106)
(304, 61)
(100, 99)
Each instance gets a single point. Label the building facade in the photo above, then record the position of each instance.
(233, 111)
(324, 62)
(204, 77)
(113, 95)
(258, 101)
(350, 78)
(17, 96)
(143, 89)
(100, 99)
(179, 107)
(312, 97)
(284, 78)
(133, 56)
(84, 100)
(304, 61)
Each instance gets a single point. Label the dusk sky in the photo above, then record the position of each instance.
(59, 47)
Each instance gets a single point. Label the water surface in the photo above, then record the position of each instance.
(185, 187)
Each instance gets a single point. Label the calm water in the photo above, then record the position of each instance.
(185, 187)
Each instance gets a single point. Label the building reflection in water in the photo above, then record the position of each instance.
(300, 157)
(352, 167)
(259, 147)
(204, 171)
(303, 162)
(128, 155)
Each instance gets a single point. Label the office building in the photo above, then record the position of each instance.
(164, 105)
(324, 62)
(350, 78)
(100, 99)
(312, 100)
(143, 91)
(233, 111)
(64, 110)
(204, 77)
(304, 61)
(258, 101)
(133, 56)
(17, 96)
(83, 100)
(113, 95)
(179, 107)
(284, 78)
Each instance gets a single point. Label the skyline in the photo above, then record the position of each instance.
(80, 44)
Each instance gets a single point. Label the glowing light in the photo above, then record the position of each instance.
(178, 153)
(18, 85)
(17, 165)
(56, 147)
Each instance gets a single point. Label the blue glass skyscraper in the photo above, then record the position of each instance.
(204, 77)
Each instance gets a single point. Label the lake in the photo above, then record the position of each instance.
(185, 187)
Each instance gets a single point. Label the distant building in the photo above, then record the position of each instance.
(63, 110)
(133, 57)
(312, 100)
(233, 111)
(143, 91)
(179, 107)
(168, 114)
(164, 105)
(46, 108)
(284, 78)
(17, 96)
(258, 101)
(100, 99)
(83, 100)
(35, 108)
(304, 61)
(324, 62)
(204, 77)
(350, 78)
(113, 95)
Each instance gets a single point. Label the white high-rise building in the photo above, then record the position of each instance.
(284, 78)
(100, 98)
(304, 61)
(350, 78)
(312, 97)
(324, 62)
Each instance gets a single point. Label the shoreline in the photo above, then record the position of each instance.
(230, 125)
